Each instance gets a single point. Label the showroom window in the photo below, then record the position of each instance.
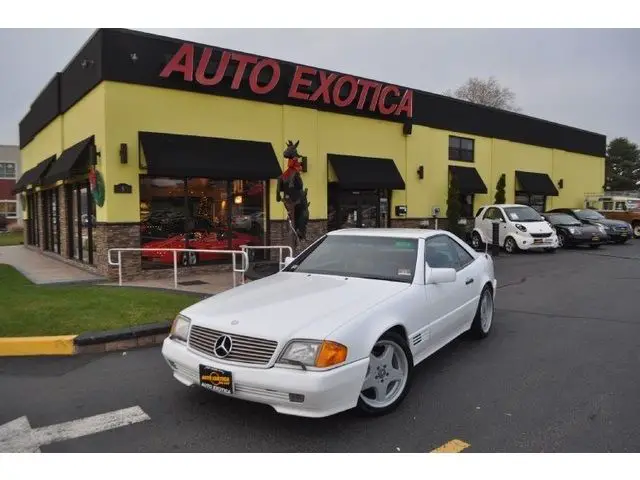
(51, 226)
(461, 149)
(199, 214)
(7, 170)
(8, 208)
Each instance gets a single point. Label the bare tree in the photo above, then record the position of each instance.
(486, 92)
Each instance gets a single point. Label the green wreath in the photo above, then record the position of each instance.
(96, 182)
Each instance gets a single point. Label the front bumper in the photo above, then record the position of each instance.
(325, 393)
(585, 239)
(527, 242)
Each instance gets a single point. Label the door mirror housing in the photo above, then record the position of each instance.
(287, 261)
(441, 275)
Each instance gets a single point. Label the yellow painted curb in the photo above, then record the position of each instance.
(23, 346)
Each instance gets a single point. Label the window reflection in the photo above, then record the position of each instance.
(199, 214)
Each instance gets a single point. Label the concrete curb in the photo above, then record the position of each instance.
(90, 342)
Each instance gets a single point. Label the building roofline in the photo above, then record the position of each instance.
(415, 90)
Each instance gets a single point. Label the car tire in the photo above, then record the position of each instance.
(510, 245)
(476, 241)
(636, 229)
(401, 357)
(481, 326)
(562, 240)
(189, 259)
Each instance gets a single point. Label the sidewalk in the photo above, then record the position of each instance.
(41, 269)
(206, 284)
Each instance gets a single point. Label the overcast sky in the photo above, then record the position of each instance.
(584, 78)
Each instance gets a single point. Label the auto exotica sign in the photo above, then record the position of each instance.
(334, 89)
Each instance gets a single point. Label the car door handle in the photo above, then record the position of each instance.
(468, 281)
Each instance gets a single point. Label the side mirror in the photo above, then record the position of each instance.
(441, 275)
(287, 261)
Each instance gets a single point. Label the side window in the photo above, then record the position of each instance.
(489, 214)
(443, 252)
(464, 258)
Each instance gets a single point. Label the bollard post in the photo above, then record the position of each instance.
(495, 243)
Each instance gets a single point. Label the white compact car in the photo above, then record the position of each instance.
(520, 228)
(341, 326)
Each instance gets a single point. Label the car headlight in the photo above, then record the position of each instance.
(312, 353)
(521, 227)
(180, 328)
(602, 229)
(573, 230)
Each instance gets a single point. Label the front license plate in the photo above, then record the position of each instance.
(595, 239)
(623, 234)
(215, 379)
(537, 240)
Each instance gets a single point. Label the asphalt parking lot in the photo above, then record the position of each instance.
(559, 373)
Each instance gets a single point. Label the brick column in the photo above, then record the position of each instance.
(117, 235)
(40, 219)
(63, 208)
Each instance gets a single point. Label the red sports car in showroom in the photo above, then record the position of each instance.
(217, 240)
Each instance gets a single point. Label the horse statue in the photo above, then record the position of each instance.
(291, 191)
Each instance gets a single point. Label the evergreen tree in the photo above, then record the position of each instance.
(500, 186)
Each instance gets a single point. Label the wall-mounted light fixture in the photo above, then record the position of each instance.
(561, 183)
(238, 199)
(303, 162)
(420, 172)
(123, 153)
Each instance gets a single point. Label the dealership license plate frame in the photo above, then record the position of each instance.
(206, 372)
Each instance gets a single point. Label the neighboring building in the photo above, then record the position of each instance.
(189, 139)
(9, 173)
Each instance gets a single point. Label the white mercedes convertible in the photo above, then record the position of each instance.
(342, 326)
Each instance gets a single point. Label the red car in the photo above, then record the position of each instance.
(217, 240)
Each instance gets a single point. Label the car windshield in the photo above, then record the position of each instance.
(561, 219)
(379, 258)
(522, 214)
(589, 215)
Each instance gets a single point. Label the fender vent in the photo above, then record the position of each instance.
(416, 339)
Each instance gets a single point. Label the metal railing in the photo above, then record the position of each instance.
(280, 248)
(243, 255)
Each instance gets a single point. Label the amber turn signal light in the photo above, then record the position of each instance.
(331, 353)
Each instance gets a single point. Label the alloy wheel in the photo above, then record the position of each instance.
(486, 311)
(387, 375)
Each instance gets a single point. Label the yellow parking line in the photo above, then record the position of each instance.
(454, 446)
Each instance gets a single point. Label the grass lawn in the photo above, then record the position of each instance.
(10, 238)
(31, 310)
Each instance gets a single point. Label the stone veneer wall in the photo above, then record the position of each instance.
(281, 234)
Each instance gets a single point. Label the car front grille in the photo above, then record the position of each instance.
(620, 228)
(257, 351)
(540, 235)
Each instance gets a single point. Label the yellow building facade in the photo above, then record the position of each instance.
(142, 151)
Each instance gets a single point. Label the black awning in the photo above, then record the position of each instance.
(33, 176)
(469, 180)
(356, 173)
(169, 155)
(536, 183)
(73, 161)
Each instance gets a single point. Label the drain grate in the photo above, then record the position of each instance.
(189, 283)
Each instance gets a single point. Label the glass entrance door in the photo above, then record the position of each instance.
(357, 209)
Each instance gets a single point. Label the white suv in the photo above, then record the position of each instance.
(520, 228)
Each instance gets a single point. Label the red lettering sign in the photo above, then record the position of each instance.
(383, 99)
